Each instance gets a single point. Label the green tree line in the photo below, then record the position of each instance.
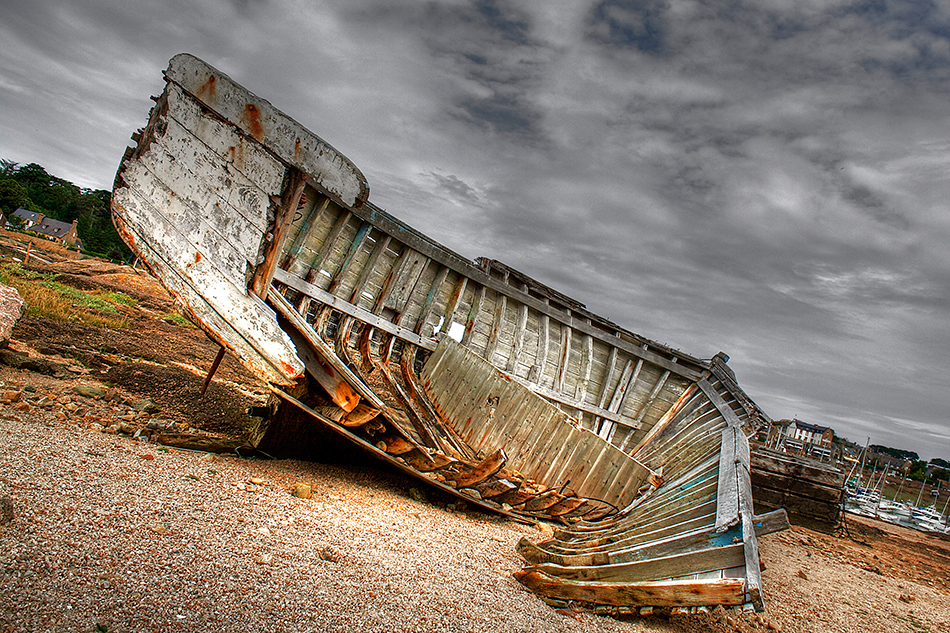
(31, 187)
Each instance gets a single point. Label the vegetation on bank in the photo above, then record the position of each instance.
(45, 297)
(32, 188)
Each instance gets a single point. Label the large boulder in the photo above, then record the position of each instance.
(11, 307)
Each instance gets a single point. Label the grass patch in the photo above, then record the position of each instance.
(177, 319)
(53, 300)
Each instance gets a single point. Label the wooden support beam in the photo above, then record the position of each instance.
(214, 368)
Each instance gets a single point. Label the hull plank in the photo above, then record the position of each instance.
(469, 375)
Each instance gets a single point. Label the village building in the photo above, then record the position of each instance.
(64, 232)
(801, 438)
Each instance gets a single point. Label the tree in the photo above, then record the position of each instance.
(12, 196)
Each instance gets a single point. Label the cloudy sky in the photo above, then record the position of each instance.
(769, 178)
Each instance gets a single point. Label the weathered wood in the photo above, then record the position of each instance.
(521, 342)
(355, 311)
(283, 217)
(726, 591)
(481, 472)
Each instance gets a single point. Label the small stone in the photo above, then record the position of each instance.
(302, 490)
(208, 457)
(329, 554)
(11, 396)
(256, 481)
(802, 575)
(22, 406)
(6, 510)
(71, 407)
(772, 625)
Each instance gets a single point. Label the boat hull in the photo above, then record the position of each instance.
(467, 374)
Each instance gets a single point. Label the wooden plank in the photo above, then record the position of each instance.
(726, 591)
(429, 304)
(770, 463)
(727, 509)
(498, 323)
(479, 294)
(240, 322)
(361, 314)
(518, 345)
(660, 568)
(292, 251)
(257, 118)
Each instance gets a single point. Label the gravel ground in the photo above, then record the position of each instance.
(110, 534)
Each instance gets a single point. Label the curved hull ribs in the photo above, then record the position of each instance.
(471, 375)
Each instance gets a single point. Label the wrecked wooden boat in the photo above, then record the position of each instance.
(469, 375)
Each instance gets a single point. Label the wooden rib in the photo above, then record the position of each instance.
(544, 341)
(482, 471)
(587, 362)
(294, 182)
(454, 300)
(498, 324)
(565, 357)
(472, 317)
(394, 272)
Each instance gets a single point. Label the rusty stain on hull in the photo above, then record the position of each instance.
(471, 376)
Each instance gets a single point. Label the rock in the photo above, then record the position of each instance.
(72, 407)
(908, 598)
(302, 490)
(89, 392)
(22, 406)
(256, 481)
(11, 396)
(11, 307)
(417, 494)
(144, 405)
(802, 575)
(6, 510)
(329, 554)
(19, 360)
